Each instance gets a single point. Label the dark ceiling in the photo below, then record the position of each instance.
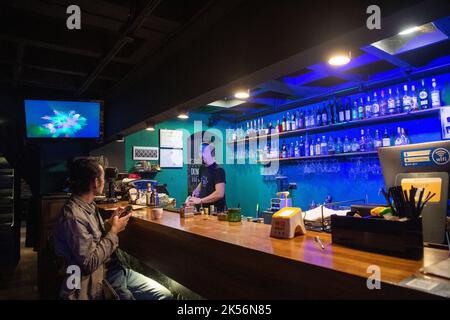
(38, 51)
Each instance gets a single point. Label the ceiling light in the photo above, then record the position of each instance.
(120, 139)
(340, 59)
(183, 115)
(242, 94)
(409, 30)
(150, 126)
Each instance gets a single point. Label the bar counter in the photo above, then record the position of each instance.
(222, 261)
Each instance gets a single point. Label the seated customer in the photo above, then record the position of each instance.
(83, 239)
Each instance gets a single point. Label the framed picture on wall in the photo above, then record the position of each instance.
(171, 158)
(145, 153)
(171, 139)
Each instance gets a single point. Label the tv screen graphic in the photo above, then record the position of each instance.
(62, 119)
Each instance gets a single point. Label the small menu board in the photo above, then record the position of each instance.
(171, 139)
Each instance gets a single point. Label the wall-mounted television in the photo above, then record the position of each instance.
(62, 119)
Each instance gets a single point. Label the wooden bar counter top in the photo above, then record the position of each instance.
(222, 261)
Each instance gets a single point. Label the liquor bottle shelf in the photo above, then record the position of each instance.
(355, 123)
(328, 156)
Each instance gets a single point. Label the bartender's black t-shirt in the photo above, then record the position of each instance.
(209, 177)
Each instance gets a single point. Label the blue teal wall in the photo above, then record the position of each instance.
(247, 187)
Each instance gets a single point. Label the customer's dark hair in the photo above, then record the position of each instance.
(83, 173)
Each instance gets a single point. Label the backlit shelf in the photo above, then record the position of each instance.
(328, 156)
(355, 123)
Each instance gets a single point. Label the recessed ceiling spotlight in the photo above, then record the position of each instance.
(242, 94)
(183, 115)
(150, 126)
(340, 59)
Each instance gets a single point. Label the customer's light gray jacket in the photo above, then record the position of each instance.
(81, 239)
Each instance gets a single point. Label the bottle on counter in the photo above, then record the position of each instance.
(435, 95)
(148, 195)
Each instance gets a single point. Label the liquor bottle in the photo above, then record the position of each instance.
(355, 110)
(279, 126)
(287, 122)
(148, 195)
(347, 145)
(375, 106)
(334, 112)
(423, 97)
(301, 121)
(297, 149)
(247, 132)
(355, 145)
(362, 142)
(306, 152)
(294, 121)
(339, 146)
(312, 119)
(291, 151)
(406, 100)
(318, 147)
(391, 103)
(361, 109)
(386, 139)
(348, 111)
(383, 104)
(435, 95)
(341, 113)
(301, 148)
(283, 123)
(312, 147)
(398, 139)
(368, 108)
(414, 100)
(377, 142)
(369, 141)
(331, 146)
(318, 118)
(405, 138)
(398, 102)
(324, 116)
(283, 150)
(324, 146)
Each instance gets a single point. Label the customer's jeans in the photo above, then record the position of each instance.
(131, 285)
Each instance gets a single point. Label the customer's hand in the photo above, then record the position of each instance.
(119, 224)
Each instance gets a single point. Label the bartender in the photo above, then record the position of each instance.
(211, 189)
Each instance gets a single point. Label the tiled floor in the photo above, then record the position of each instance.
(21, 284)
